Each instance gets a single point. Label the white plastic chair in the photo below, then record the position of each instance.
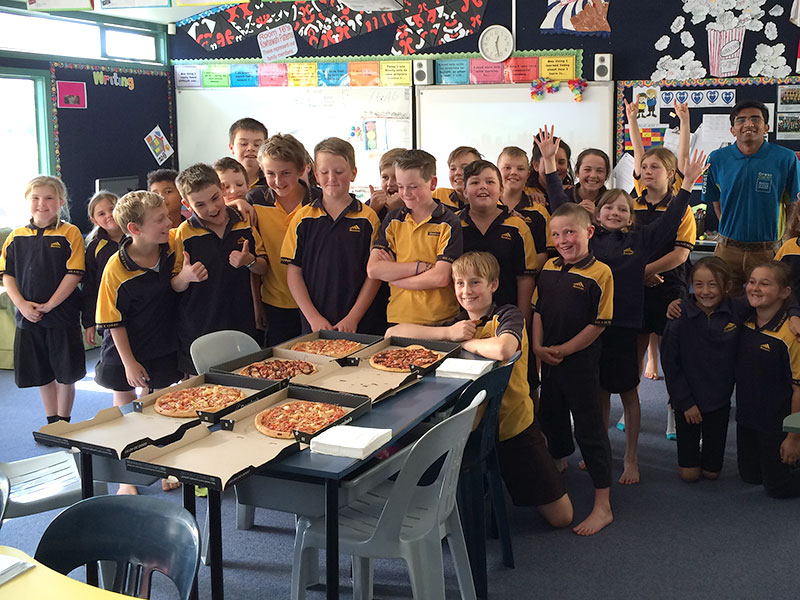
(220, 346)
(4, 485)
(402, 519)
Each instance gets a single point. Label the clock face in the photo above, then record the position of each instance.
(496, 43)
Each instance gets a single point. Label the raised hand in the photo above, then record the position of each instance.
(681, 109)
(547, 142)
(241, 258)
(695, 166)
(632, 109)
(377, 198)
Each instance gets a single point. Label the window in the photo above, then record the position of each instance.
(126, 44)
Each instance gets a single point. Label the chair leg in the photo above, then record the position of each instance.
(425, 568)
(204, 541)
(245, 516)
(362, 578)
(301, 561)
(499, 510)
(458, 550)
(471, 508)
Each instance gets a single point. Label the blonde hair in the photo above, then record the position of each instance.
(287, 148)
(133, 207)
(195, 178)
(666, 157)
(93, 202)
(482, 264)
(612, 195)
(573, 211)
(513, 152)
(388, 158)
(57, 185)
(461, 151)
(337, 147)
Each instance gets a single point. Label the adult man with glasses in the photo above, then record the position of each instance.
(751, 184)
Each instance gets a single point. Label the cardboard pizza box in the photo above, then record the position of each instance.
(115, 433)
(218, 458)
(448, 350)
(232, 366)
(324, 334)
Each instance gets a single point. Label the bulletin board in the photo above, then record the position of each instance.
(120, 106)
(491, 117)
(373, 119)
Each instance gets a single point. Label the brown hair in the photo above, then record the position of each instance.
(286, 148)
(388, 158)
(483, 264)
(611, 195)
(793, 222)
(573, 211)
(593, 152)
(536, 156)
(133, 207)
(513, 152)
(781, 271)
(667, 158)
(98, 197)
(228, 163)
(476, 167)
(246, 124)
(195, 178)
(460, 151)
(417, 159)
(719, 270)
(337, 147)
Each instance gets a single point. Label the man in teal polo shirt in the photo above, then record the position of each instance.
(751, 184)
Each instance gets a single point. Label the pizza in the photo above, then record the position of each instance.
(309, 417)
(400, 360)
(278, 369)
(186, 402)
(334, 348)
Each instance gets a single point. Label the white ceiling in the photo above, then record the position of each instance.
(151, 15)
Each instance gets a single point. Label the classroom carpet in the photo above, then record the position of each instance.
(670, 539)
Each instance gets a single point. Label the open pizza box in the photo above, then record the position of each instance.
(218, 459)
(232, 367)
(445, 349)
(115, 433)
(324, 334)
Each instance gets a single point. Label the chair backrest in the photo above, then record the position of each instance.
(220, 346)
(140, 534)
(4, 488)
(447, 439)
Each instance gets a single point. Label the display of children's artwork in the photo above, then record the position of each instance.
(71, 94)
(699, 98)
(649, 98)
(577, 17)
(651, 137)
(421, 24)
(159, 145)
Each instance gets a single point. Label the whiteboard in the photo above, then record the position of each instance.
(491, 117)
(309, 114)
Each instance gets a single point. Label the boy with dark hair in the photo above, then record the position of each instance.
(245, 137)
(162, 182)
(216, 249)
(416, 246)
(454, 197)
(573, 304)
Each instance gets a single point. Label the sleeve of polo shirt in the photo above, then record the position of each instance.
(108, 313)
(605, 303)
(89, 283)
(510, 320)
(384, 238)
(677, 182)
(450, 242)
(176, 243)
(76, 263)
(793, 181)
(687, 231)
(7, 257)
(710, 186)
(372, 216)
(680, 393)
(539, 231)
(525, 250)
(259, 250)
(638, 188)
(292, 250)
(794, 360)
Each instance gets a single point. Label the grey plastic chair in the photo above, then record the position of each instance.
(139, 534)
(4, 485)
(401, 518)
(218, 347)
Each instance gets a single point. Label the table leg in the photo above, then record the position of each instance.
(332, 539)
(190, 505)
(87, 491)
(215, 544)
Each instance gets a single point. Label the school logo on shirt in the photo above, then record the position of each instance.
(578, 285)
(505, 236)
(355, 229)
(55, 245)
(764, 182)
(241, 241)
(729, 327)
(435, 233)
(765, 347)
(628, 252)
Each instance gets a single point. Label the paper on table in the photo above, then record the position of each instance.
(11, 566)
(623, 173)
(350, 441)
(463, 368)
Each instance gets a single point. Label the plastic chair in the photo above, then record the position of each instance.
(43, 483)
(218, 347)
(480, 460)
(139, 534)
(4, 485)
(402, 519)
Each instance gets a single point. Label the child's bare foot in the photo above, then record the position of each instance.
(127, 489)
(651, 373)
(168, 486)
(689, 474)
(630, 473)
(710, 474)
(582, 465)
(599, 518)
(561, 464)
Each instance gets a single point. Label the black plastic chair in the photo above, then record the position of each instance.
(4, 490)
(139, 534)
(480, 461)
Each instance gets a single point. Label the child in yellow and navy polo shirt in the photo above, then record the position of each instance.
(497, 333)
(573, 304)
(454, 198)
(327, 247)
(789, 252)
(768, 385)
(136, 304)
(216, 249)
(42, 264)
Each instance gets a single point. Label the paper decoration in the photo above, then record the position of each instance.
(520, 69)
(54, 5)
(111, 4)
(215, 76)
(364, 73)
(159, 145)
(244, 75)
(788, 126)
(272, 74)
(452, 72)
(649, 113)
(770, 61)
(577, 87)
(577, 17)
(789, 98)
(651, 137)
(396, 72)
(71, 94)
(302, 74)
(699, 98)
(542, 85)
(483, 71)
(332, 74)
(277, 43)
(725, 51)
(429, 24)
(561, 68)
(189, 76)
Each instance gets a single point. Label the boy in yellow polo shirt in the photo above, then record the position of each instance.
(416, 246)
(497, 333)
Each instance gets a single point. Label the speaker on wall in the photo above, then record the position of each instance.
(423, 72)
(602, 66)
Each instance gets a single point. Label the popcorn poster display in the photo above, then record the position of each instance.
(726, 24)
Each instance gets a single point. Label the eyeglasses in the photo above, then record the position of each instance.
(754, 120)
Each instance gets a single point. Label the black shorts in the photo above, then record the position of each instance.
(44, 354)
(163, 372)
(528, 469)
(282, 324)
(656, 301)
(619, 360)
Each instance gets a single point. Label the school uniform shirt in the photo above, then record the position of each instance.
(98, 253)
(261, 181)
(436, 238)
(645, 213)
(39, 258)
(789, 254)
(767, 366)
(698, 354)
(516, 408)
(141, 300)
(449, 198)
(558, 194)
(753, 191)
(264, 196)
(570, 297)
(537, 218)
(629, 252)
(332, 254)
(509, 239)
(224, 300)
